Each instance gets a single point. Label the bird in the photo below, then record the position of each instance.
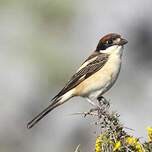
(96, 75)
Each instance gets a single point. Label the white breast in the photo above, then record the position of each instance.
(106, 77)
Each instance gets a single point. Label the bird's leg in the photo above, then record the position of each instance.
(91, 102)
(96, 107)
(99, 108)
(103, 101)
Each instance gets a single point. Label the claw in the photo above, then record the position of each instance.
(103, 101)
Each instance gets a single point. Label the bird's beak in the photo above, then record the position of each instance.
(122, 42)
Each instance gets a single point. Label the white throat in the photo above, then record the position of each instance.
(116, 49)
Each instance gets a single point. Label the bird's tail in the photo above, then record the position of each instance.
(56, 103)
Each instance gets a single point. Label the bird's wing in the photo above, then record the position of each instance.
(88, 68)
(84, 73)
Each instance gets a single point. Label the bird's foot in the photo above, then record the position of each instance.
(93, 103)
(97, 111)
(103, 102)
(94, 109)
(99, 108)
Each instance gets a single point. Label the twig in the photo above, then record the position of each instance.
(77, 149)
(85, 113)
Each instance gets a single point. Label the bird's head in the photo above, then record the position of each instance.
(110, 42)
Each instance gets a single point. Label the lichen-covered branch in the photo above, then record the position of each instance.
(113, 136)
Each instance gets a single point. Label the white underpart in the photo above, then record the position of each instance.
(108, 78)
(66, 97)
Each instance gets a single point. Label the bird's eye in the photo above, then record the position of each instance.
(109, 42)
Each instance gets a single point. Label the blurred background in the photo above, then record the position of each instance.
(42, 43)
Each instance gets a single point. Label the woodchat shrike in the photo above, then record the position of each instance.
(95, 76)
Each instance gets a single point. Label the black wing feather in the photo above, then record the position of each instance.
(84, 73)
